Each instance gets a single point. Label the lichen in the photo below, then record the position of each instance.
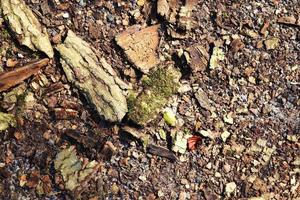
(159, 86)
(6, 120)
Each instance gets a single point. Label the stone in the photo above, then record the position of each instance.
(140, 46)
(203, 100)
(26, 27)
(290, 20)
(94, 77)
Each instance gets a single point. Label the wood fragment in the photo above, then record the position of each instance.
(94, 77)
(13, 78)
(140, 46)
(198, 58)
(26, 26)
(161, 151)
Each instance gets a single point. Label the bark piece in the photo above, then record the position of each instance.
(198, 57)
(140, 46)
(75, 173)
(289, 20)
(94, 77)
(158, 87)
(26, 27)
(161, 151)
(12, 78)
(203, 100)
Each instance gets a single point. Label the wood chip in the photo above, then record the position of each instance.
(13, 78)
(140, 46)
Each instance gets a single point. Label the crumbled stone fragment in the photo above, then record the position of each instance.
(203, 100)
(72, 169)
(94, 77)
(140, 46)
(26, 26)
(6, 120)
(180, 142)
(225, 135)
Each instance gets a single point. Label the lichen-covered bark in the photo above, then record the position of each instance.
(26, 27)
(158, 88)
(74, 172)
(94, 77)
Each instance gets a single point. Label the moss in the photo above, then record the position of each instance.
(158, 87)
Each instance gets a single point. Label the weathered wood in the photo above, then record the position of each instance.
(13, 78)
(94, 77)
(26, 26)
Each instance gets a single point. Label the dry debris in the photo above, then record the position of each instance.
(140, 46)
(15, 77)
(26, 26)
(216, 57)
(95, 78)
(198, 57)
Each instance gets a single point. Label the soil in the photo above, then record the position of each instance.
(247, 125)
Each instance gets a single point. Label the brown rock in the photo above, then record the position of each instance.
(140, 46)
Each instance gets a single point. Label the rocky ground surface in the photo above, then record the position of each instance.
(212, 90)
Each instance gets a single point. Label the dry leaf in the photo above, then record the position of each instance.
(192, 142)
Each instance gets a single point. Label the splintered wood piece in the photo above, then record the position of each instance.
(13, 78)
(140, 46)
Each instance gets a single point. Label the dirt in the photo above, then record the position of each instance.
(241, 108)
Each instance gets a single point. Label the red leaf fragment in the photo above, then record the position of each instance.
(192, 142)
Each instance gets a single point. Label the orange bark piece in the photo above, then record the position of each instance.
(140, 46)
(13, 78)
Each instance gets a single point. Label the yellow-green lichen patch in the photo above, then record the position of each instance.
(6, 120)
(158, 87)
